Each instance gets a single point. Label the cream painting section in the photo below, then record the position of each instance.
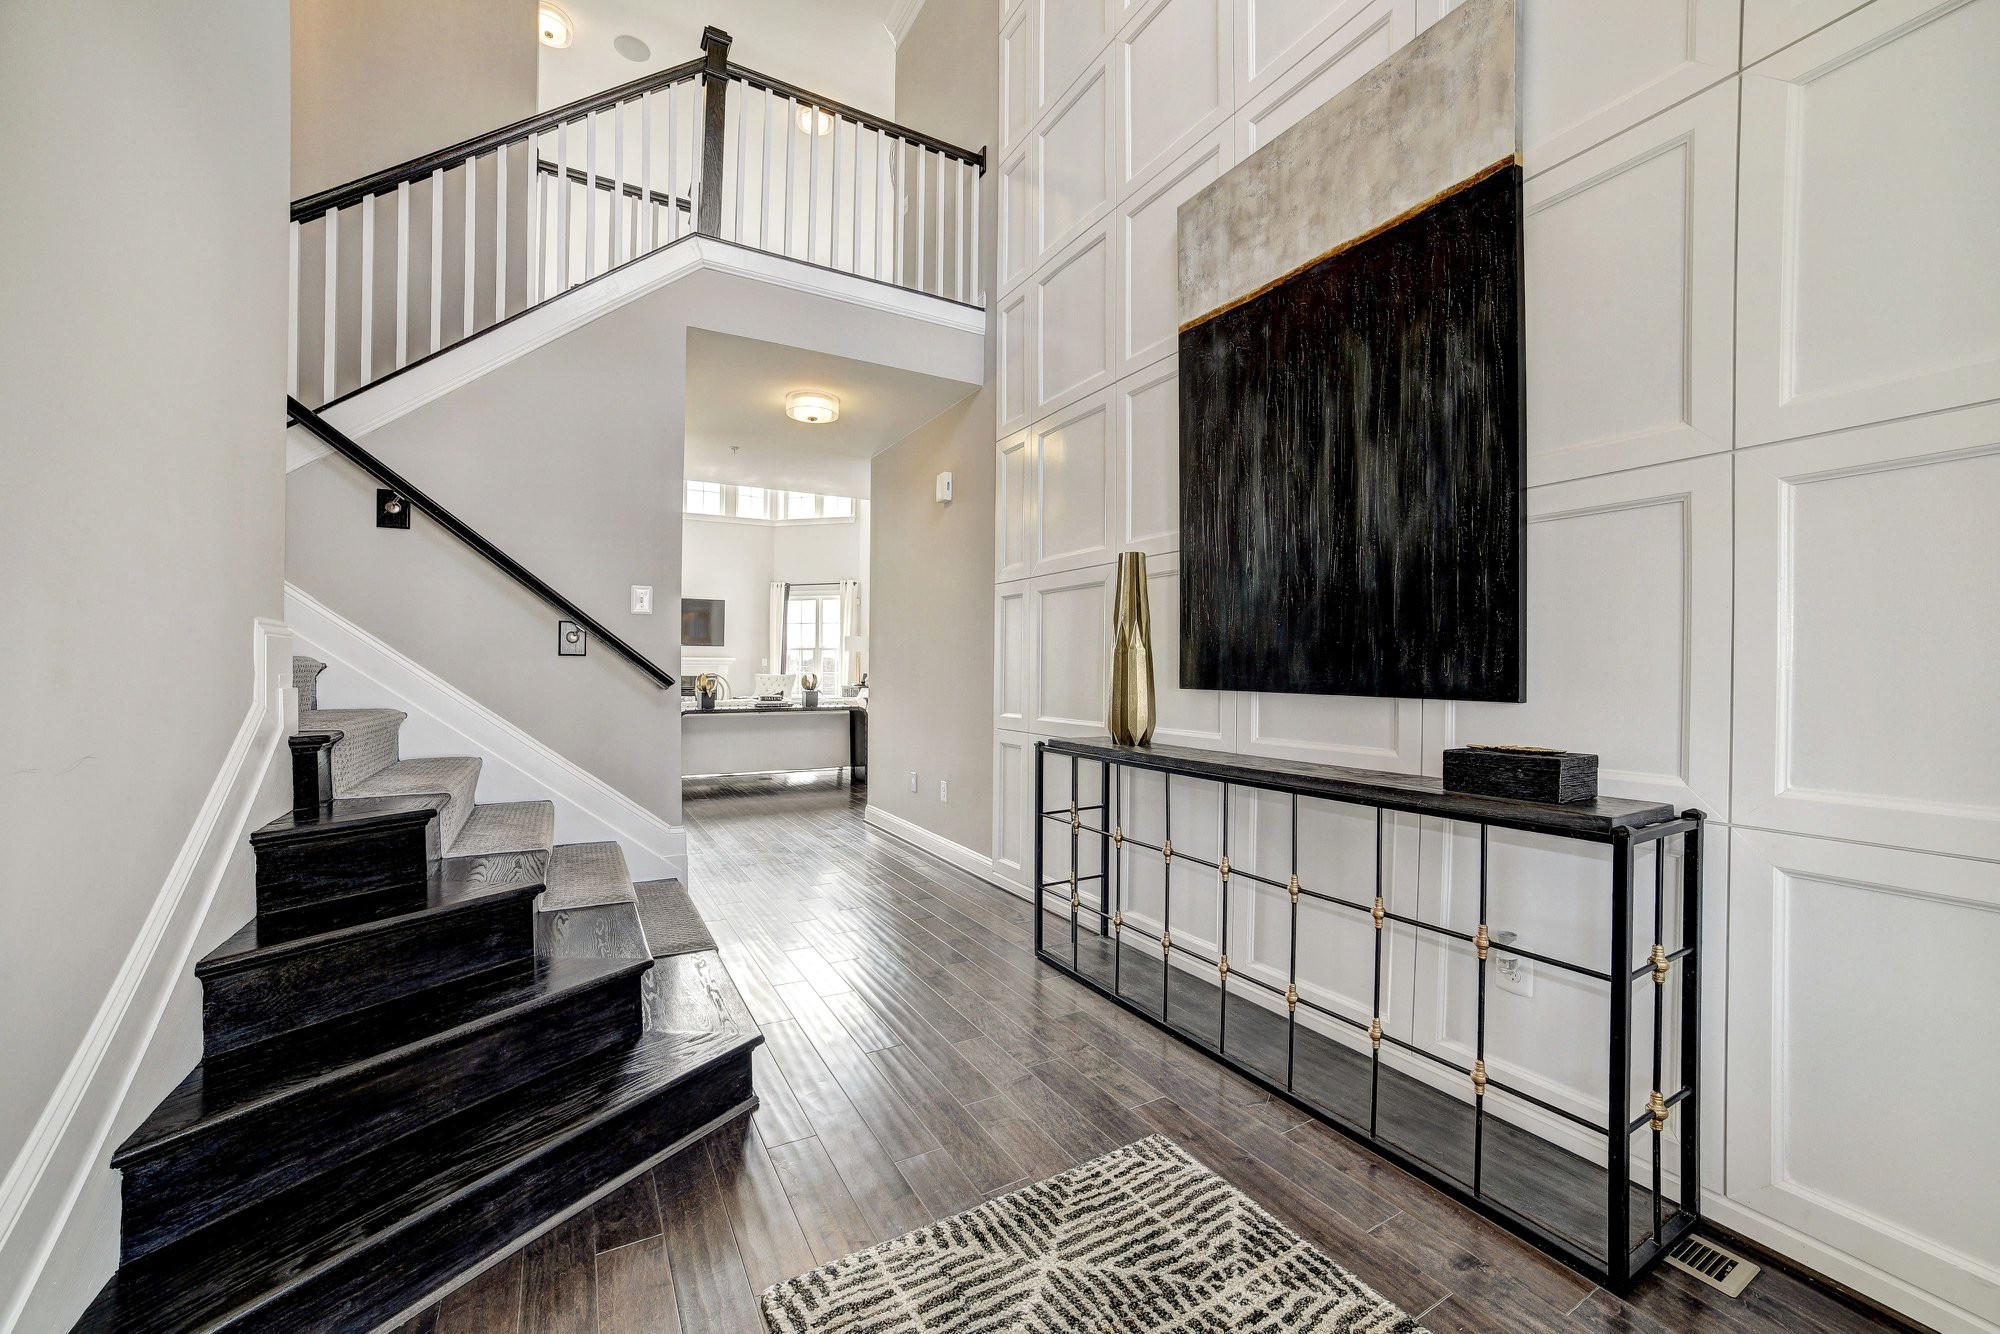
(1764, 449)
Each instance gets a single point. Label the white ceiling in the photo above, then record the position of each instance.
(841, 49)
(737, 430)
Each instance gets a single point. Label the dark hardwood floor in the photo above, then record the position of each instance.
(918, 1060)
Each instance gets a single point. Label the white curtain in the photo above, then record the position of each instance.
(779, 593)
(850, 627)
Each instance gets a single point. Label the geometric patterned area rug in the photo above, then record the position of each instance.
(1144, 1240)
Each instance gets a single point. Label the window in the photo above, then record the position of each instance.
(801, 505)
(836, 507)
(704, 498)
(753, 502)
(812, 634)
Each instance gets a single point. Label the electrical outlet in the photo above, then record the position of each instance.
(1515, 974)
(913, 780)
(943, 792)
(642, 599)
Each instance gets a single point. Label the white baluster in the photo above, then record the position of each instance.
(854, 205)
(437, 259)
(537, 220)
(367, 289)
(940, 223)
(589, 195)
(648, 217)
(562, 207)
(812, 182)
(673, 157)
(292, 331)
(833, 202)
(764, 178)
(881, 203)
(617, 182)
(402, 274)
(471, 243)
(742, 91)
(978, 266)
(896, 158)
(327, 344)
(791, 152)
(500, 234)
(922, 177)
(958, 262)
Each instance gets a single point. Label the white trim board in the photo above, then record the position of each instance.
(938, 846)
(459, 365)
(69, 1141)
(364, 672)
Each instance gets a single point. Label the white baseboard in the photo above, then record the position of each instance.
(364, 672)
(938, 846)
(70, 1137)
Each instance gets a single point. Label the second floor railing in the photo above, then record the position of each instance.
(398, 266)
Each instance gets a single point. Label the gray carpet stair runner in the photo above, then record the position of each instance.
(588, 907)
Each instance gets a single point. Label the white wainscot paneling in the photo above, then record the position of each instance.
(1073, 156)
(1366, 37)
(1016, 367)
(1012, 652)
(1020, 76)
(1359, 731)
(1630, 258)
(1867, 235)
(1019, 244)
(1071, 636)
(1629, 635)
(1771, 24)
(1590, 70)
(1076, 486)
(1068, 33)
(1074, 300)
(1149, 320)
(1013, 507)
(1272, 36)
(1148, 435)
(1856, 1004)
(1013, 788)
(1866, 635)
(1186, 717)
(1173, 82)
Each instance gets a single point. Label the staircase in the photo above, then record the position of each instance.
(441, 1033)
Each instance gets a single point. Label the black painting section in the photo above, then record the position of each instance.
(1351, 453)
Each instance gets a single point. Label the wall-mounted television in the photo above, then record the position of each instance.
(701, 622)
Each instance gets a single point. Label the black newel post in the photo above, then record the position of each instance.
(715, 82)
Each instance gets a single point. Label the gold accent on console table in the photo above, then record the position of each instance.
(1379, 912)
(1292, 996)
(1658, 1107)
(1479, 1079)
(1293, 887)
(1660, 965)
(1481, 941)
(1375, 1032)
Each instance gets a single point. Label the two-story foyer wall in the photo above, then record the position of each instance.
(1764, 447)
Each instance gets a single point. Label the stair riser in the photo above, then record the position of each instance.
(308, 867)
(233, 1163)
(499, 867)
(403, 1268)
(402, 956)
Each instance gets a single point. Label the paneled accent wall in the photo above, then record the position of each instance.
(1764, 461)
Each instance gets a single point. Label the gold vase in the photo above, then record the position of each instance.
(1133, 711)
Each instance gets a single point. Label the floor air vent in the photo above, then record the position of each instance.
(1712, 1265)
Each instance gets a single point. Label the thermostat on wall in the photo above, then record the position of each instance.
(944, 488)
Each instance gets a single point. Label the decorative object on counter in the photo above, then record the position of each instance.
(1521, 773)
(809, 691)
(1132, 712)
(705, 690)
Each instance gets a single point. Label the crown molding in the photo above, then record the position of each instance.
(902, 14)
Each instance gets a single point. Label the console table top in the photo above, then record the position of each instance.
(1414, 793)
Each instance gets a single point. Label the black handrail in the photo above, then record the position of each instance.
(304, 416)
(340, 196)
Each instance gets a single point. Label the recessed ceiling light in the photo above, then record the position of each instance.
(556, 28)
(814, 121)
(632, 48)
(810, 407)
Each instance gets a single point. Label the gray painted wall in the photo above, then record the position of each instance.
(930, 644)
(141, 496)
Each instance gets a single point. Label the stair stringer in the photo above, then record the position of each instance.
(364, 672)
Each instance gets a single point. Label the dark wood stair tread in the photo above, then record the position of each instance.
(346, 814)
(228, 1270)
(264, 939)
(343, 1048)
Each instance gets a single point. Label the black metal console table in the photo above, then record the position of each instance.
(1612, 1217)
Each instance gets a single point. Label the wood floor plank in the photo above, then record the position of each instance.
(628, 1214)
(828, 1215)
(938, 1182)
(635, 1289)
(1025, 1142)
(817, 972)
(984, 1163)
(711, 1288)
(559, 1279)
(780, 1119)
(862, 1021)
(490, 1303)
(767, 1230)
(901, 1131)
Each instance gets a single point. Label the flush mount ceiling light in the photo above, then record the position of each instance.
(556, 29)
(814, 121)
(812, 408)
(632, 48)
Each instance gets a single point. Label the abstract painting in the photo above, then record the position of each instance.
(1351, 389)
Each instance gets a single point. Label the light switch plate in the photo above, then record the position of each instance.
(642, 599)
